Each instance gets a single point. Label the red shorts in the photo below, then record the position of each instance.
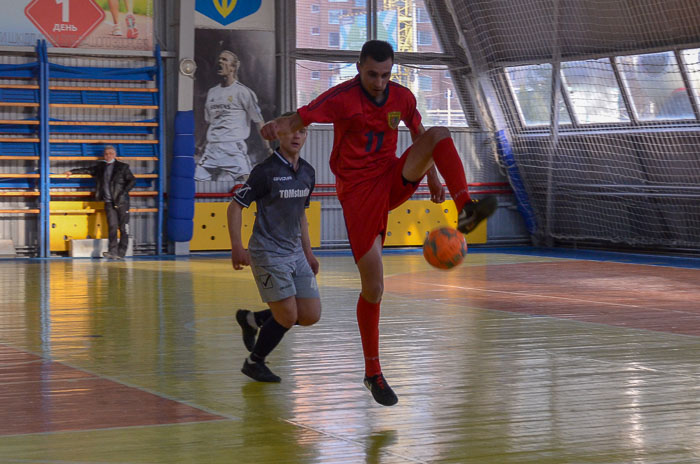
(366, 205)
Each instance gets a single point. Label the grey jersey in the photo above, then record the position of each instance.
(281, 195)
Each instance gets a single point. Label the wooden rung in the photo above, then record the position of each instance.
(103, 89)
(71, 194)
(19, 176)
(15, 157)
(84, 193)
(102, 123)
(87, 176)
(143, 193)
(72, 211)
(20, 211)
(19, 86)
(19, 139)
(93, 210)
(104, 107)
(95, 158)
(29, 105)
(121, 141)
(19, 122)
(19, 193)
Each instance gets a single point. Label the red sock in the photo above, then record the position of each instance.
(450, 167)
(368, 322)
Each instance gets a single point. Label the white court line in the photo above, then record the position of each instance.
(557, 353)
(535, 295)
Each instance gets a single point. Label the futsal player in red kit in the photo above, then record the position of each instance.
(371, 180)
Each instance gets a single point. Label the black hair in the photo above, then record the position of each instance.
(378, 50)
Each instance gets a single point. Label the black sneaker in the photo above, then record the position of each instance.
(381, 391)
(474, 212)
(259, 371)
(109, 255)
(249, 332)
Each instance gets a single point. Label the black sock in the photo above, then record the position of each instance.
(271, 334)
(262, 316)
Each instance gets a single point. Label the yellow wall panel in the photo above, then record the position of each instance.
(76, 220)
(211, 226)
(411, 222)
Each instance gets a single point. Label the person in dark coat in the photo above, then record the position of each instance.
(113, 181)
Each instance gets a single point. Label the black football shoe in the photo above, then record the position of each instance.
(249, 332)
(259, 371)
(381, 391)
(475, 211)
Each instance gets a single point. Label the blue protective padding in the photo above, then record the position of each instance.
(184, 122)
(180, 230)
(181, 187)
(58, 71)
(505, 152)
(182, 166)
(26, 71)
(180, 209)
(183, 145)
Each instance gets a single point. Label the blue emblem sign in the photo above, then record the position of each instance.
(226, 12)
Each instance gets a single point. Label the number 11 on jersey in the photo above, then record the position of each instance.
(370, 140)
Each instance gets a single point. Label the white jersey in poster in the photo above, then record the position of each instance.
(229, 110)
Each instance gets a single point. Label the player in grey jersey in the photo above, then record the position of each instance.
(279, 251)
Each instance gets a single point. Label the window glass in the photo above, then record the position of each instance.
(401, 24)
(329, 74)
(334, 16)
(425, 38)
(593, 92)
(438, 105)
(436, 99)
(422, 16)
(655, 86)
(425, 82)
(532, 91)
(345, 27)
(691, 58)
(333, 39)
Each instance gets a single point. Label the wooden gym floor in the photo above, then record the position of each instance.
(514, 357)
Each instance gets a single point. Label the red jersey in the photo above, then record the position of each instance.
(365, 132)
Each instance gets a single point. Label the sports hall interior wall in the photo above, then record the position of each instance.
(482, 38)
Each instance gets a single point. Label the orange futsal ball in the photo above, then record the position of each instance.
(444, 248)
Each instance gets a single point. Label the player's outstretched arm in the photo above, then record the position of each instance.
(306, 244)
(239, 256)
(280, 126)
(266, 143)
